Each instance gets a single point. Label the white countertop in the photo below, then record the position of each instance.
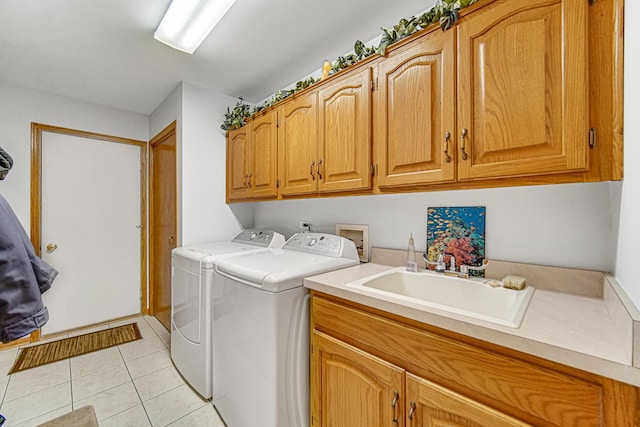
(574, 330)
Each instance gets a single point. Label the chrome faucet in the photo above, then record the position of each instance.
(452, 268)
(452, 262)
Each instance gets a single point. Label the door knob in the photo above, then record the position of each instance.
(51, 247)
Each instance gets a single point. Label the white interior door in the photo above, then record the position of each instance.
(91, 212)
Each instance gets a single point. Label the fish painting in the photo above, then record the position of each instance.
(457, 231)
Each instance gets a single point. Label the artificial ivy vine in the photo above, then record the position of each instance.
(445, 12)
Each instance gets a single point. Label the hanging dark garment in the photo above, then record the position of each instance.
(23, 278)
(5, 163)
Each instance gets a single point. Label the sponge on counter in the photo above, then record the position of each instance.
(514, 282)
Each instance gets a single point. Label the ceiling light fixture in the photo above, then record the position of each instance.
(187, 23)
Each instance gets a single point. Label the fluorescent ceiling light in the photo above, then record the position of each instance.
(188, 22)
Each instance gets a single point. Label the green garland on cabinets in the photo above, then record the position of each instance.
(445, 12)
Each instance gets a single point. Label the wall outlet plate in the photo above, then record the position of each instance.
(358, 234)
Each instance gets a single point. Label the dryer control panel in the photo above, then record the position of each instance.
(322, 244)
(264, 238)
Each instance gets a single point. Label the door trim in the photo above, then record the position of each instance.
(36, 194)
(157, 140)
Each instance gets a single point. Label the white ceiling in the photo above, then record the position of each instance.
(103, 51)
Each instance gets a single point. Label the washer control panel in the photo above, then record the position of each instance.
(264, 238)
(318, 243)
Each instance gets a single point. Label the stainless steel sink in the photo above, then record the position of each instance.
(467, 297)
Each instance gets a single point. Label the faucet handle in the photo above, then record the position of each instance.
(426, 260)
(439, 264)
(452, 261)
(485, 262)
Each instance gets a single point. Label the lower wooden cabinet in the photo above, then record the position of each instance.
(429, 404)
(370, 369)
(356, 388)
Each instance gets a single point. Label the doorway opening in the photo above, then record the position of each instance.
(88, 207)
(163, 220)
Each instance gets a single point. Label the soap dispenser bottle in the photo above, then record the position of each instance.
(412, 265)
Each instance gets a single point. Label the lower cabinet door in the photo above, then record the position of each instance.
(429, 405)
(351, 388)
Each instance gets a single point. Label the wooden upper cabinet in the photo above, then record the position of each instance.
(429, 404)
(297, 145)
(344, 133)
(353, 388)
(523, 89)
(501, 99)
(252, 159)
(262, 156)
(415, 110)
(237, 148)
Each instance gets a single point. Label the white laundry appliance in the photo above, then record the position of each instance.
(192, 290)
(261, 328)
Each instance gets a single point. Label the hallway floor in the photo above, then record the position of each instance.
(133, 384)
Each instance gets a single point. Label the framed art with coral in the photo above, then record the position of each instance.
(457, 231)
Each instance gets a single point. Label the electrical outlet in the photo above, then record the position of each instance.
(304, 226)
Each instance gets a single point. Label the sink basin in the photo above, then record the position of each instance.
(467, 297)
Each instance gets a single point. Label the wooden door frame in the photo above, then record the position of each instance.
(36, 193)
(157, 140)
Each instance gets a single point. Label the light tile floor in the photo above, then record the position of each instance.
(133, 384)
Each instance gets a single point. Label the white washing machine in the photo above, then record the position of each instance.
(261, 328)
(192, 289)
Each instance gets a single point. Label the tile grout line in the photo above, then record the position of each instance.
(70, 383)
(6, 387)
(111, 388)
(186, 415)
(72, 404)
(134, 385)
(118, 347)
(71, 376)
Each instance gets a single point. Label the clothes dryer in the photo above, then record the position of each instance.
(192, 289)
(261, 328)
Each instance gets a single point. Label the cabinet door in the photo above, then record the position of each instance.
(237, 175)
(262, 156)
(353, 388)
(297, 145)
(344, 137)
(523, 89)
(415, 109)
(429, 404)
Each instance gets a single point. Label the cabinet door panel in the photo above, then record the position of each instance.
(262, 157)
(236, 166)
(415, 109)
(430, 405)
(345, 133)
(523, 89)
(553, 397)
(297, 145)
(354, 388)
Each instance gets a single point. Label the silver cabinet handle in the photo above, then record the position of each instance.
(319, 174)
(394, 405)
(249, 181)
(462, 146)
(447, 138)
(412, 410)
(313, 177)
